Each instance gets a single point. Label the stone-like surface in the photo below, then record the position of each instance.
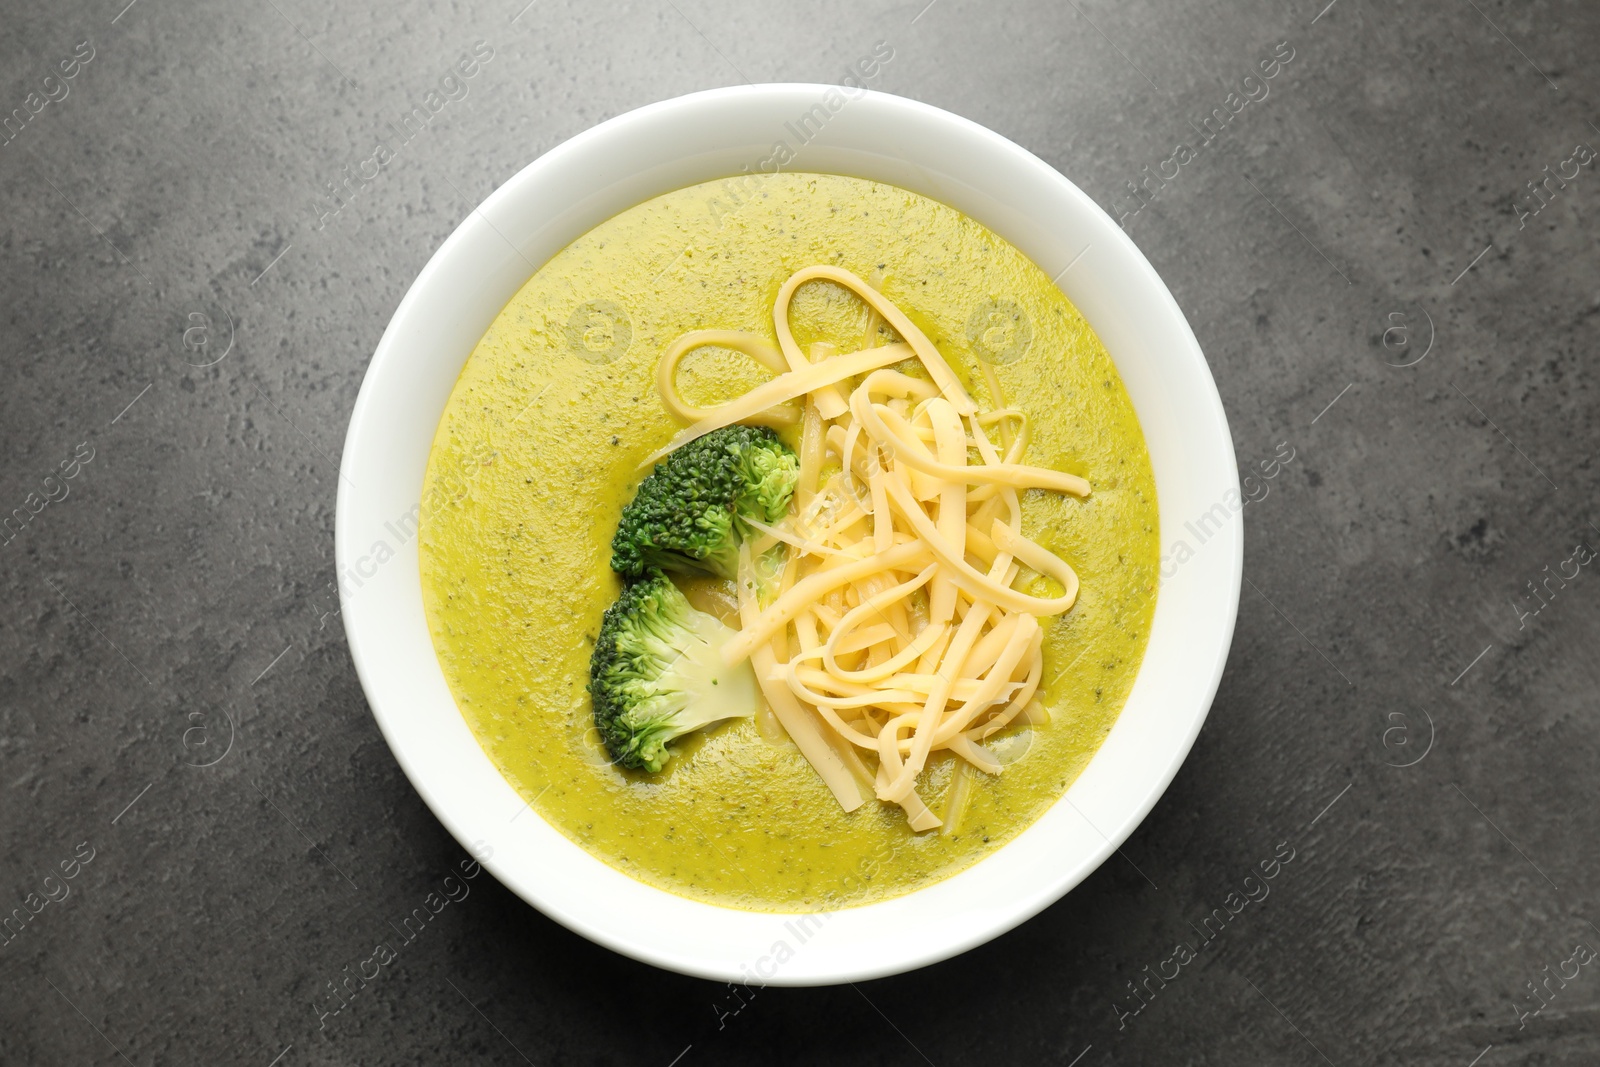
(182, 578)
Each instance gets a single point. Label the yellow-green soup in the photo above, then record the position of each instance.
(539, 450)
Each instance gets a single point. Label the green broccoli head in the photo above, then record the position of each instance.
(657, 673)
(691, 512)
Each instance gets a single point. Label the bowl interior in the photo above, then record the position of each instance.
(698, 138)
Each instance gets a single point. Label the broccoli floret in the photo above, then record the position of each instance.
(690, 513)
(657, 673)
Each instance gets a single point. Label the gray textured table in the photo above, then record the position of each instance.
(1408, 711)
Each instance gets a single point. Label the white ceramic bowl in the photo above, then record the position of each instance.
(692, 139)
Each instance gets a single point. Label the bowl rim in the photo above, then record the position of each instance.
(403, 695)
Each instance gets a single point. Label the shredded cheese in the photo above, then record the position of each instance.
(892, 629)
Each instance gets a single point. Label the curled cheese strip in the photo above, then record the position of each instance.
(937, 368)
(874, 606)
(915, 455)
(1037, 557)
(894, 629)
(972, 581)
(974, 754)
(783, 388)
(812, 588)
(747, 343)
